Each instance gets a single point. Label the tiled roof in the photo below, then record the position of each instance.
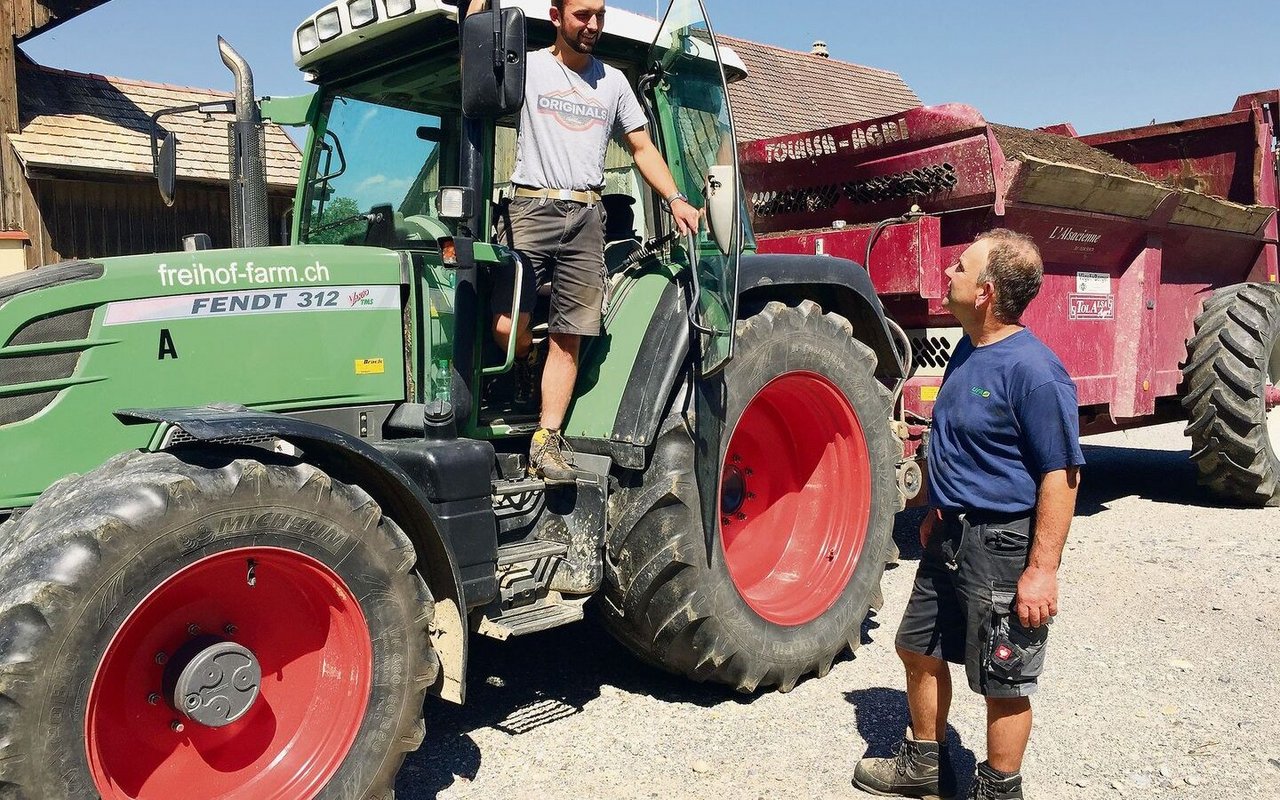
(79, 122)
(789, 92)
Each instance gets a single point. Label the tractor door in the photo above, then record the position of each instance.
(695, 131)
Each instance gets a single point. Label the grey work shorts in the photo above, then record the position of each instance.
(562, 239)
(962, 604)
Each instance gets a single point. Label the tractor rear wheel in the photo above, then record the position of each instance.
(205, 625)
(807, 498)
(1232, 399)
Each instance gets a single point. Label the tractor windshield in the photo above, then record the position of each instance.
(371, 156)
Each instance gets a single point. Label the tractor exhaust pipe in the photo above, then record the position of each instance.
(250, 213)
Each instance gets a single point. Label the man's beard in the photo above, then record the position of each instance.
(578, 45)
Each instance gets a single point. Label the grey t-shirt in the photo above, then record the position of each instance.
(567, 121)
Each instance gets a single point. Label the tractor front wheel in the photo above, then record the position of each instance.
(1232, 383)
(806, 502)
(202, 625)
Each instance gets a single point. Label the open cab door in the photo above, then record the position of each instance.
(695, 129)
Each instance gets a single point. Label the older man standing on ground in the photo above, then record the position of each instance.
(1004, 458)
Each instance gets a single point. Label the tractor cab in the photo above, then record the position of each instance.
(415, 154)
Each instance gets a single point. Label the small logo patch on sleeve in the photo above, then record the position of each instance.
(370, 366)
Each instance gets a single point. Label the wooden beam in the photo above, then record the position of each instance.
(33, 17)
(8, 70)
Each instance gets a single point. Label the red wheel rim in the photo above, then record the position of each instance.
(795, 498)
(307, 631)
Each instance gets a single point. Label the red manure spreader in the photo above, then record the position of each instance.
(1159, 243)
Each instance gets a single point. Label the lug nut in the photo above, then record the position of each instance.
(193, 629)
(153, 699)
(192, 702)
(726, 521)
(177, 727)
(161, 657)
(230, 630)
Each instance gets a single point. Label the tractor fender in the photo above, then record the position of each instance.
(837, 284)
(352, 460)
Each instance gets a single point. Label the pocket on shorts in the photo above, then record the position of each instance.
(1014, 655)
(1010, 539)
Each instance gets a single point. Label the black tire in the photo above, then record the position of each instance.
(1231, 359)
(669, 596)
(77, 565)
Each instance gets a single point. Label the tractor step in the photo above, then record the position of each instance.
(530, 619)
(530, 550)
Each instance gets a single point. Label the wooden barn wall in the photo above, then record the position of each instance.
(88, 219)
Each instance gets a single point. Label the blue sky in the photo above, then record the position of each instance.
(1100, 65)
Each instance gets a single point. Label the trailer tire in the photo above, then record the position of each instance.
(725, 608)
(177, 575)
(1232, 360)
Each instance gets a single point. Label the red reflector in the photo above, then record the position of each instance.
(448, 252)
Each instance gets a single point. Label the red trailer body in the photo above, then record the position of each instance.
(1132, 247)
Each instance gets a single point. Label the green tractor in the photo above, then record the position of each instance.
(255, 501)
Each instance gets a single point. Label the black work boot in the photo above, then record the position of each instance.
(992, 784)
(528, 379)
(919, 769)
(547, 459)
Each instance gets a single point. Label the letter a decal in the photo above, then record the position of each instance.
(167, 348)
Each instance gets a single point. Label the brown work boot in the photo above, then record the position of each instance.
(919, 769)
(547, 458)
(991, 784)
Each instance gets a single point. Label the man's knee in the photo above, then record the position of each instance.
(1008, 706)
(918, 662)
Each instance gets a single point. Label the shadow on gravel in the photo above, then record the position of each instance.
(1161, 476)
(530, 682)
(882, 719)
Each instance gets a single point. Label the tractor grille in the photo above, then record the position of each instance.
(66, 327)
(31, 368)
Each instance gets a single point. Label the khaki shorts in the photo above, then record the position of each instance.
(562, 239)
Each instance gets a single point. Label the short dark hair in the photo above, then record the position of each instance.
(1015, 268)
(559, 4)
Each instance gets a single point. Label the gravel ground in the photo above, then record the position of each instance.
(1162, 678)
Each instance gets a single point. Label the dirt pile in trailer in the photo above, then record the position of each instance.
(1064, 150)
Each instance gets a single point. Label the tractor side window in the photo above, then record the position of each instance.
(373, 156)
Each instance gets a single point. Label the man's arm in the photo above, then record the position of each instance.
(653, 168)
(476, 5)
(1038, 587)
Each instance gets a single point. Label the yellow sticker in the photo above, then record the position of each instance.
(370, 366)
(928, 393)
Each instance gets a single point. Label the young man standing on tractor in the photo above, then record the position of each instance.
(574, 104)
(1004, 458)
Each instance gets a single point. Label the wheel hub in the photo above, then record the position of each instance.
(733, 490)
(213, 682)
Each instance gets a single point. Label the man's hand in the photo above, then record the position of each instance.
(688, 219)
(1037, 599)
(927, 525)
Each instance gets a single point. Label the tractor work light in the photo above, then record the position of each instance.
(329, 25)
(307, 38)
(398, 8)
(455, 202)
(361, 12)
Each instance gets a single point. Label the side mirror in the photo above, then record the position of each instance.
(721, 193)
(167, 168)
(493, 63)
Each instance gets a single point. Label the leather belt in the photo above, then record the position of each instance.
(586, 198)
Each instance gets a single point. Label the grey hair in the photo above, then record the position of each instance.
(1015, 268)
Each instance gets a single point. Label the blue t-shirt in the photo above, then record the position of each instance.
(1006, 414)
